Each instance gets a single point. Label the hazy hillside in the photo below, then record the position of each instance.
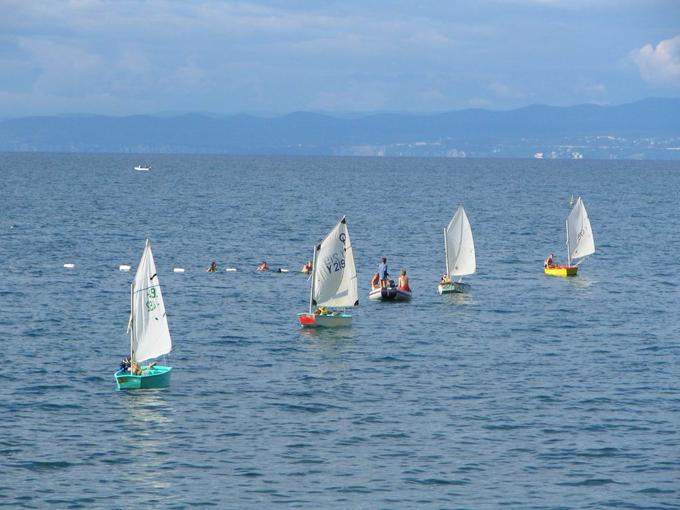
(645, 129)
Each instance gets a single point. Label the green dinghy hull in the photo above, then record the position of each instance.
(156, 377)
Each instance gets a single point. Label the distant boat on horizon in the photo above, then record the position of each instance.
(142, 168)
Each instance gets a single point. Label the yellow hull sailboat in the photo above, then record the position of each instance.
(563, 271)
(580, 242)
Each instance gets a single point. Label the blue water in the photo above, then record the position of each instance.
(532, 392)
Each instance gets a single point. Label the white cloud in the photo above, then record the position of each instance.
(505, 91)
(659, 65)
(572, 4)
(63, 68)
(478, 102)
(595, 91)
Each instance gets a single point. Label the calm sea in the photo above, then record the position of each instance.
(531, 392)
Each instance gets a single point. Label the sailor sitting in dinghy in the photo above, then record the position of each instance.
(134, 368)
(125, 364)
(550, 261)
(322, 310)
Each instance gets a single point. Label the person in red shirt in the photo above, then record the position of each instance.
(403, 281)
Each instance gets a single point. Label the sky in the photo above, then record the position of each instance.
(128, 57)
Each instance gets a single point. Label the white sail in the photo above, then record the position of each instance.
(335, 278)
(580, 242)
(460, 247)
(149, 333)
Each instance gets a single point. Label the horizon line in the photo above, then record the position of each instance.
(337, 114)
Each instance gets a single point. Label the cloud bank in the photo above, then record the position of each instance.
(275, 56)
(660, 64)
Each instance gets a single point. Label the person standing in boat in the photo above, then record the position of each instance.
(382, 272)
(403, 281)
(307, 268)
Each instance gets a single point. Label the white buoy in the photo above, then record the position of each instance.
(230, 270)
(69, 266)
(281, 270)
(178, 270)
(124, 267)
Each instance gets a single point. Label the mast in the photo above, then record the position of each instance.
(131, 328)
(446, 253)
(566, 224)
(311, 291)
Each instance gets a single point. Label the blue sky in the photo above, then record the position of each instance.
(131, 56)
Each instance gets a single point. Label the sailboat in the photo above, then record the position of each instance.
(460, 253)
(580, 242)
(334, 281)
(148, 329)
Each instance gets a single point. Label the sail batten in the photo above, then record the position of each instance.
(459, 246)
(149, 332)
(580, 241)
(334, 279)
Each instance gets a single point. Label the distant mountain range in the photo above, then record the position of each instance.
(645, 129)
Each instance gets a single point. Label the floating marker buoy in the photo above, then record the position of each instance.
(69, 266)
(124, 267)
(281, 270)
(230, 270)
(178, 270)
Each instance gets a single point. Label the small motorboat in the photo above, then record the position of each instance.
(142, 168)
(389, 293)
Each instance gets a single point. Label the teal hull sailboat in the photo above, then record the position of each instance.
(155, 377)
(148, 329)
(334, 281)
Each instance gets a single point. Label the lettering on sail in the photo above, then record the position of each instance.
(580, 235)
(336, 262)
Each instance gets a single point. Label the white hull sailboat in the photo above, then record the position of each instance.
(460, 256)
(580, 242)
(333, 281)
(148, 329)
